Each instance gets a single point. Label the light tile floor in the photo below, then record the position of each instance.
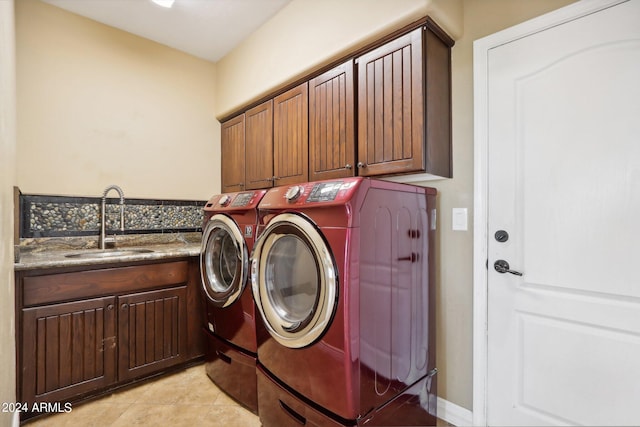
(185, 398)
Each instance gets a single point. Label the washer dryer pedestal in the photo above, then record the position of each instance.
(232, 370)
(280, 407)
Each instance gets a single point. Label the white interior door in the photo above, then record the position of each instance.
(563, 171)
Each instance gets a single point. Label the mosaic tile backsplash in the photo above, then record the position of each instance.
(54, 216)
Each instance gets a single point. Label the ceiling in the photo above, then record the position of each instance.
(208, 29)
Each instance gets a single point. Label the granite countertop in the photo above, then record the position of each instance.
(53, 252)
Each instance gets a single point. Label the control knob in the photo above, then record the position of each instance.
(224, 200)
(293, 192)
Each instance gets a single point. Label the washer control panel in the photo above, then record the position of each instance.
(310, 194)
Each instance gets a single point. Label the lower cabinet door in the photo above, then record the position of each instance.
(68, 349)
(152, 331)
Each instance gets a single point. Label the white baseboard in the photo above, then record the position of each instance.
(454, 414)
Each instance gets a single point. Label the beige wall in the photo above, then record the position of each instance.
(306, 34)
(7, 181)
(99, 106)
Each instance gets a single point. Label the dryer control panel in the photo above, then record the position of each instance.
(241, 201)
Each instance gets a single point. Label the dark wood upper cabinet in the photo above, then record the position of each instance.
(437, 51)
(397, 107)
(233, 154)
(331, 124)
(291, 136)
(275, 142)
(390, 107)
(404, 107)
(259, 146)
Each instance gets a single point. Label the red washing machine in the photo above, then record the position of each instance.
(229, 229)
(342, 277)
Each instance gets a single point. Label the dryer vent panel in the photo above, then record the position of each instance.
(394, 292)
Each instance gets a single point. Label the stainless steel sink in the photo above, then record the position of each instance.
(107, 253)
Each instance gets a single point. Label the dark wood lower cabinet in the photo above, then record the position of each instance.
(69, 350)
(152, 331)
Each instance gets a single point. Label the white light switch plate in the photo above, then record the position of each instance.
(459, 219)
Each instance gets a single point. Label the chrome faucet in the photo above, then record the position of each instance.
(103, 240)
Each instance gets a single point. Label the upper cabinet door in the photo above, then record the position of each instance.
(404, 105)
(390, 107)
(232, 147)
(331, 124)
(259, 146)
(291, 136)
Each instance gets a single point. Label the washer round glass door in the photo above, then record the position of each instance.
(224, 261)
(294, 281)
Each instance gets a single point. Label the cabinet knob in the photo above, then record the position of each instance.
(348, 166)
(110, 307)
(124, 306)
(361, 165)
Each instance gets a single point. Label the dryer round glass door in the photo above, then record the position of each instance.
(294, 281)
(224, 261)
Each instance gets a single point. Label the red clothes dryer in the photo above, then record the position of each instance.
(229, 229)
(341, 276)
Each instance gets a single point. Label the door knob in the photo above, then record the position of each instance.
(502, 266)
